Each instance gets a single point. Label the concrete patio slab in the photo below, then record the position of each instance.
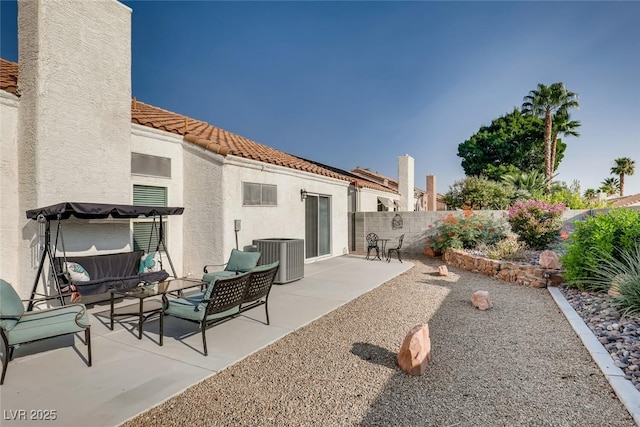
(130, 376)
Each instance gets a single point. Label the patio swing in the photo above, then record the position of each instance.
(75, 276)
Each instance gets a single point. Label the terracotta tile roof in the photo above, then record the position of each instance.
(620, 202)
(221, 141)
(376, 177)
(9, 76)
(208, 136)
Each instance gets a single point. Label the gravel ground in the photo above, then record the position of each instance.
(518, 364)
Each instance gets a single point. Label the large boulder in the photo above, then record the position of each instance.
(549, 260)
(415, 352)
(481, 300)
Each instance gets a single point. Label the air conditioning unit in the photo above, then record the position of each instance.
(290, 253)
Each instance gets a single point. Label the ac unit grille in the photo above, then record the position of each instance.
(290, 253)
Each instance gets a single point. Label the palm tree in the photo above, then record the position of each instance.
(610, 186)
(562, 125)
(623, 166)
(545, 102)
(590, 194)
(533, 182)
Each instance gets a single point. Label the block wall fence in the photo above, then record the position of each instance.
(416, 226)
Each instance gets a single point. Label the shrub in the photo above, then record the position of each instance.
(610, 234)
(536, 223)
(479, 193)
(506, 249)
(622, 271)
(466, 231)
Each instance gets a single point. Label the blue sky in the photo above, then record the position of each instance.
(361, 83)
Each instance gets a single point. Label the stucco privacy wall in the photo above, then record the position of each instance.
(145, 140)
(10, 218)
(287, 219)
(416, 226)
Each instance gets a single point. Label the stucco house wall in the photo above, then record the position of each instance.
(10, 218)
(145, 140)
(203, 217)
(287, 219)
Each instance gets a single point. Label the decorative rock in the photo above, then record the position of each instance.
(549, 259)
(480, 300)
(614, 290)
(429, 251)
(443, 271)
(415, 352)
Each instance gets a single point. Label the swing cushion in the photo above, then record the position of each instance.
(119, 271)
(77, 272)
(150, 262)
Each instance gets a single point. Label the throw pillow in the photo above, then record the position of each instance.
(150, 262)
(242, 261)
(77, 273)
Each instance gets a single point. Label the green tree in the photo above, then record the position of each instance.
(510, 144)
(610, 186)
(545, 102)
(480, 193)
(623, 166)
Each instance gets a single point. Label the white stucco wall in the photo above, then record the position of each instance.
(202, 219)
(10, 219)
(74, 118)
(406, 183)
(369, 199)
(287, 219)
(75, 80)
(145, 140)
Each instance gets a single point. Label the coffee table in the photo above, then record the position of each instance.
(146, 306)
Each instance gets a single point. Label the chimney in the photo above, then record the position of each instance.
(405, 183)
(74, 117)
(432, 204)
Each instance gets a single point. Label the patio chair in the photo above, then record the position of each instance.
(20, 327)
(239, 262)
(220, 302)
(262, 278)
(396, 250)
(372, 243)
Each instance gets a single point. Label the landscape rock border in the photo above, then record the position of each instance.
(520, 273)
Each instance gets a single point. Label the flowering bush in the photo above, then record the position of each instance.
(536, 223)
(466, 231)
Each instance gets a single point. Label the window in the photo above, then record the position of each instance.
(144, 164)
(254, 194)
(143, 229)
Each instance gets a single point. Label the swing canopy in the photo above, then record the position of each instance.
(66, 210)
(98, 274)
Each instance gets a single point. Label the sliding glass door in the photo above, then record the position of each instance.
(317, 226)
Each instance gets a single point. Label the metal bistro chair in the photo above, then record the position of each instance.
(372, 243)
(396, 250)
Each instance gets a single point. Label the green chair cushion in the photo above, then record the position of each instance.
(191, 309)
(210, 277)
(266, 266)
(242, 261)
(10, 305)
(35, 325)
